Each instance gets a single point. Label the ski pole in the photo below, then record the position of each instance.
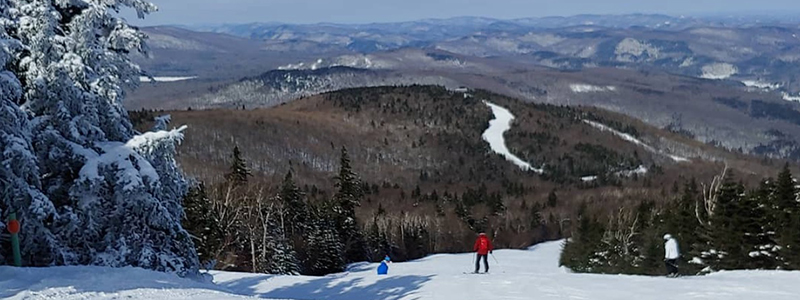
(495, 258)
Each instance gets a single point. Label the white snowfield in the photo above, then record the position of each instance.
(789, 97)
(761, 85)
(494, 136)
(520, 274)
(718, 71)
(165, 79)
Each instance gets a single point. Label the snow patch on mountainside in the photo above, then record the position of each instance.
(165, 79)
(634, 140)
(789, 97)
(761, 85)
(640, 170)
(494, 136)
(718, 71)
(588, 88)
(632, 50)
(359, 61)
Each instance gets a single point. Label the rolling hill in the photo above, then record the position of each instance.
(417, 147)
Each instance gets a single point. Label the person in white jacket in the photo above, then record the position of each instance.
(671, 255)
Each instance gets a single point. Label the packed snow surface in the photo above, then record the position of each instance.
(165, 79)
(494, 136)
(634, 140)
(516, 275)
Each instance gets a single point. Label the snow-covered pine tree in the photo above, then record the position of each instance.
(325, 252)
(295, 207)
(757, 229)
(724, 232)
(20, 188)
(348, 196)
(112, 206)
(281, 257)
(123, 216)
(238, 172)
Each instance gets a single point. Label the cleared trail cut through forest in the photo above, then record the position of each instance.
(494, 136)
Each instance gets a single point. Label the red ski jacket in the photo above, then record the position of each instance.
(483, 245)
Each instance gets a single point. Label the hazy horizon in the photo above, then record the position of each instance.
(201, 12)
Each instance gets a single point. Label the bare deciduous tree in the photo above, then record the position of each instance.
(710, 194)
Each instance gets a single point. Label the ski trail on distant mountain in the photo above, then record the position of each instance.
(494, 136)
(165, 79)
(634, 140)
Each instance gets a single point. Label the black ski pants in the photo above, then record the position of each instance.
(485, 262)
(672, 266)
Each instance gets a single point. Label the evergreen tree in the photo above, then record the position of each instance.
(20, 185)
(786, 208)
(681, 222)
(281, 256)
(583, 251)
(552, 199)
(325, 251)
(727, 250)
(348, 196)
(200, 222)
(239, 172)
(114, 196)
(296, 210)
(758, 242)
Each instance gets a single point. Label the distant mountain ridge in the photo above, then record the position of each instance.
(661, 21)
(728, 81)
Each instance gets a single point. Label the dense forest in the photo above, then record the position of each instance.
(724, 225)
(419, 177)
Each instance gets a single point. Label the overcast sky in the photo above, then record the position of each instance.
(364, 11)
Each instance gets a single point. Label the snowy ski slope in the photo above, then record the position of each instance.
(520, 274)
(494, 136)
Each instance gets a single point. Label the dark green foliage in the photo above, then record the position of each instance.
(295, 208)
(239, 172)
(582, 251)
(758, 231)
(552, 199)
(325, 251)
(787, 211)
(348, 196)
(199, 221)
(680, 220)
(755, 229)
(724, 228)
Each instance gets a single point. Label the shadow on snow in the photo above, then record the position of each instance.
(334, 287)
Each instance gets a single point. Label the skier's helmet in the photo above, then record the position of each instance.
(667, 236)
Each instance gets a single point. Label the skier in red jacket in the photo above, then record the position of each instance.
(483, 246)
